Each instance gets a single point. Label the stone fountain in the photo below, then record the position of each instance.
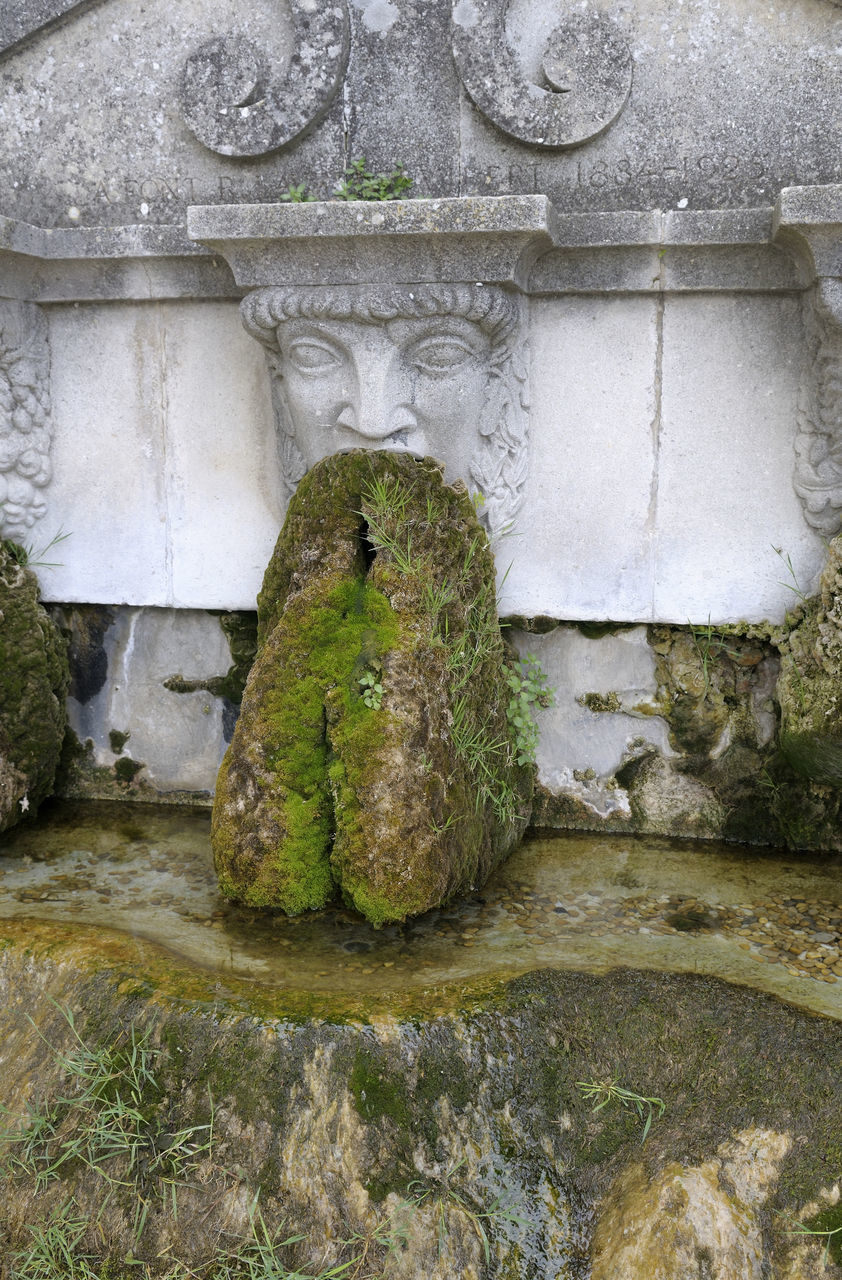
(609, 319)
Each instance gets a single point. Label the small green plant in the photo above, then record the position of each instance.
(372, 690)
(297, 194)
(792, 584)
(439, 828)
(830, 1235)
(443, 1195)
(528, 686)
(710, 645)
(359, 183)
(26, 555)
(605, 1092)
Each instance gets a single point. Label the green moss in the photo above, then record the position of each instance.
(324, 786)
(600, 701)
(117, 740)
(34, 678)
(126, 769)
(378, 1092)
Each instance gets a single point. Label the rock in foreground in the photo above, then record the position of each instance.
(33, 684)
(452, 1140)
(373, 756)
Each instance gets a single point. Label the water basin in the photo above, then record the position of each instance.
(766, 919)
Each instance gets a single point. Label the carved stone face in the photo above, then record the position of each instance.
(410, 383)
(431, 369)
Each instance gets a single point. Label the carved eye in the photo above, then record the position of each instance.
(443, 354)
(309, 355)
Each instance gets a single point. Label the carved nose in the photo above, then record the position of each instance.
(377, 417)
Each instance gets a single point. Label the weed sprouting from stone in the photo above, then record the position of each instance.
(605, 1092)
(709, 646)
(372, 690)
(359, 183)
(297, 194)
(791, 583)
(529, 690)
(28, 557)
(487, 753)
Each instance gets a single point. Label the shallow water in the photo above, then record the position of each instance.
(769, 920)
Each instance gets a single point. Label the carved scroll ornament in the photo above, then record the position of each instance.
(228, 96)
(586, 74)
(431, 369)
(818, 443)
(25, 430)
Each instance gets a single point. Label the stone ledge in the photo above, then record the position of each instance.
(493, 239)
(222, 250)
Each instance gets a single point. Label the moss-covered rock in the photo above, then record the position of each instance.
(33, 685)
(810, 685)
(426, 1145)
(373, 755)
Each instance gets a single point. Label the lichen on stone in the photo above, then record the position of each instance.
(373, 757)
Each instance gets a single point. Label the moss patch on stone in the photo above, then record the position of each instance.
(810, 685)
(33, 685)
(373, 756)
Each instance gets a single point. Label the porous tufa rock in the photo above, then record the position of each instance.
(373, 757)
(810, 685)
(701, 1220)
(33, 684)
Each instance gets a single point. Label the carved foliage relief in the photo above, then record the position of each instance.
(818, 443)
(431, 369)
(25, 430)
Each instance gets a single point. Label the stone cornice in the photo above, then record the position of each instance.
(519, 241)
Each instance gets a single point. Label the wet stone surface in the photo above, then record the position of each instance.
(764, 919)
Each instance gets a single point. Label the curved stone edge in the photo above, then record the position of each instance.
(233, 108)
(527, 111)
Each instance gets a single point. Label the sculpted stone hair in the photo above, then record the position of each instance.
(25, 432)
(498, 466)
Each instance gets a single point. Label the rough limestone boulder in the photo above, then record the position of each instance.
(33, 686)
(810, 684)
(373, 757)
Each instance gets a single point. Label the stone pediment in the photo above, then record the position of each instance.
(116, 115)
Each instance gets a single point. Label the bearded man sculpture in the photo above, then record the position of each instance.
(427, 369)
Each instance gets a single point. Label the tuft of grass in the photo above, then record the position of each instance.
(112, 1120)
(28, 558)
(791, 583)
(608, 1092)
(710, 645)
(109, 1116)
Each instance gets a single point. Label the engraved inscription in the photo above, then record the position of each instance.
(434, 370)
